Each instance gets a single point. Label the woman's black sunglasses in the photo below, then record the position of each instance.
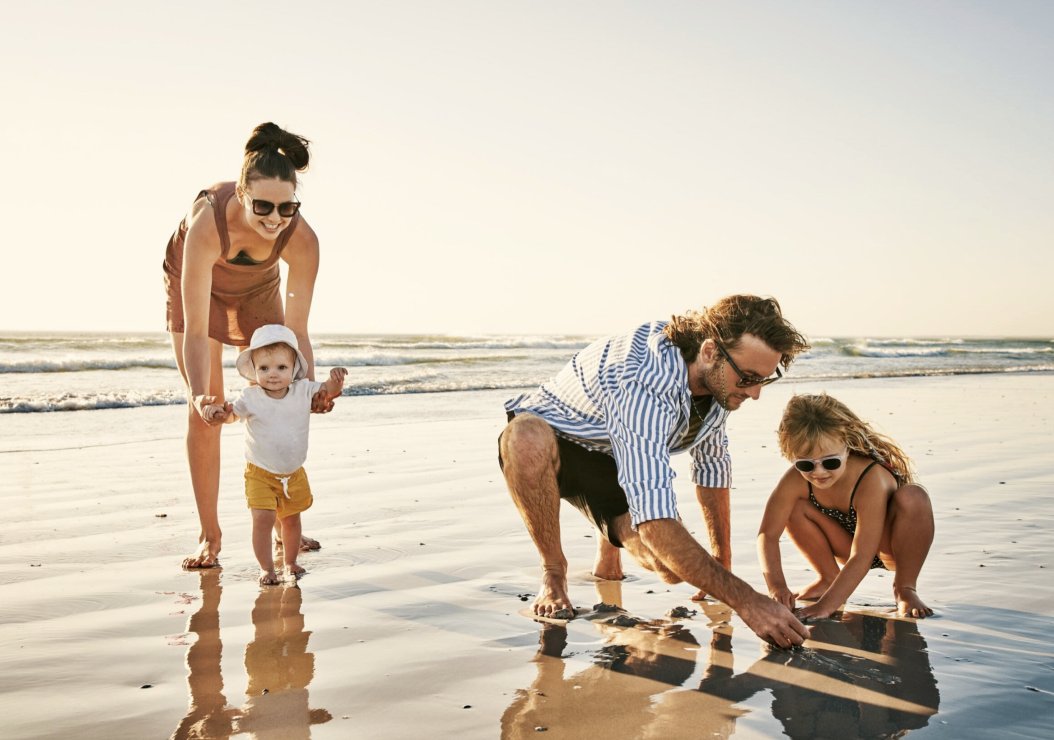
(285, 210)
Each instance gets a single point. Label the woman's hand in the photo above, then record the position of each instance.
(321, 403)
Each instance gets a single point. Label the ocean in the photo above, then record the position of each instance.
(68, 372)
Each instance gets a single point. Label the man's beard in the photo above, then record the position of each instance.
(716, 382)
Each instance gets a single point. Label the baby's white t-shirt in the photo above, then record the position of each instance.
(276, 429)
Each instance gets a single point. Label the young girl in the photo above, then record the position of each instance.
(849, 498)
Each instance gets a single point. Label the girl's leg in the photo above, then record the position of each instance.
(263, 521)
(291, 533)
(909, 526)
(203, 456)
(822, 541)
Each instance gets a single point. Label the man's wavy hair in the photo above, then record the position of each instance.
(732, 317)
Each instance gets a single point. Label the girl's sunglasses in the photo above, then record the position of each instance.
(830, 462)
(285, 210)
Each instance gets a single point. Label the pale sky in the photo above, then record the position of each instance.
(882, 168)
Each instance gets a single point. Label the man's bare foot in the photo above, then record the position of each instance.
(294, 570)
(909, 604)
(268, 578)
(552, 596)
(207, 556)
(608, 564)
(814, 590)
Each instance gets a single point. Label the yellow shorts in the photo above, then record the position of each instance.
(264, 490)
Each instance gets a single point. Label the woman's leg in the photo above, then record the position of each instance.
(822, 541)
(909, 526)
(203, 456)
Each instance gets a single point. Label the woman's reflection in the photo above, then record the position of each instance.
(208, 715)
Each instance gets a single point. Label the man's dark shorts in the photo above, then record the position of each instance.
(588, 481)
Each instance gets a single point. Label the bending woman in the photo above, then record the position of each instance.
(222, 279)
(849, 499)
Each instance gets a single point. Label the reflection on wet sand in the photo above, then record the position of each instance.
(858, 676)
(277, 665)
(208, 715)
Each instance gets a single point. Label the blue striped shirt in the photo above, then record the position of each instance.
(627, 396)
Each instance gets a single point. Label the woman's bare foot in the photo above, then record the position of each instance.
(552, 596)
(909, 604)
(268, 578)
(207, 556)
(814, 590)
(294, 570)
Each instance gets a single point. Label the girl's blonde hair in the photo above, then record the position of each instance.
(809, 418)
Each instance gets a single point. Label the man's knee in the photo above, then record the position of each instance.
(528, 443)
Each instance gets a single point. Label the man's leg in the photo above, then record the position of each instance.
(530, 460)
(608, 563)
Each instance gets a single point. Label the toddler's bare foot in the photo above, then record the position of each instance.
(909, 604)
(814, 590)
(294, 570)
(207, 556)
(268, 578)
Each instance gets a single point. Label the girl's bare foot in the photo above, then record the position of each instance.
(814, 590)
(207, 556)
(294, 570)
(909, 604)
(268, 578)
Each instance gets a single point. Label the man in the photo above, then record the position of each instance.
(601, 432)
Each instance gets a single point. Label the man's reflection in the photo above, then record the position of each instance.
(859, 676)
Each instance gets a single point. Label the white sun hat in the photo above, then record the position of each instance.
(267, 335)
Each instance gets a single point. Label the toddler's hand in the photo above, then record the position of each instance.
(338, 374)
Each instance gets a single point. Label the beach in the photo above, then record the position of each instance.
(407, 623)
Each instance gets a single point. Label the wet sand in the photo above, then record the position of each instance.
(407, 623)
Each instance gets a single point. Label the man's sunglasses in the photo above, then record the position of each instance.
(285, 210)
(745, 379)
(830, 462)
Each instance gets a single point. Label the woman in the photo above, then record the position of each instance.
(850, 498)
(222, 279)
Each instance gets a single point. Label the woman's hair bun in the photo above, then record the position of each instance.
(270, 136)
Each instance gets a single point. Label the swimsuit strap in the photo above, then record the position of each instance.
(853, 494)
